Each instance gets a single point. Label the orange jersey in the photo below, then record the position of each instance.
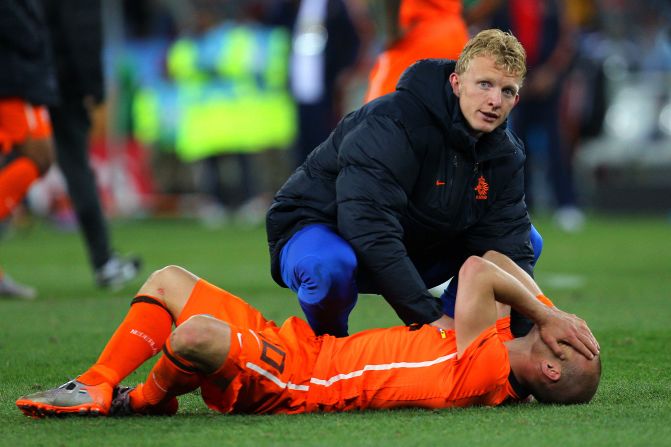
(432, 29)
(267, 367)
(289, 369)
(20, 120)
(398, 367)
(266, 371)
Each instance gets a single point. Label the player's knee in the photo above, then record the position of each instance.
(41, 152)
(199, 337)
(172, 285)
(158, 278)
(474, 267)
(169, 272)
(536, 242)
(339, 269)
(320, 275)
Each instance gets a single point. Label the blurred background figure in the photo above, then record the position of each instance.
(324, 48)
(544, 30)
(626, 166)
(10, 288)
(422, 29)
(75, 28)
(27, 87)
(207, 98)
(212, 103)
(416, 29)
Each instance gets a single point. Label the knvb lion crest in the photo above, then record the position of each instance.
(481, 189)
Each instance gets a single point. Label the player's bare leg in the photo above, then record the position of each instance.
(140, 336)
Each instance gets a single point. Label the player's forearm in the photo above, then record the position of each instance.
(521, 296)
(508, 265)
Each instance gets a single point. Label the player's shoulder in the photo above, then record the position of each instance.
(487, 343)
(399, 106)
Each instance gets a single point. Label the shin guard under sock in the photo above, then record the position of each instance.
(171, 376)
(139, 337)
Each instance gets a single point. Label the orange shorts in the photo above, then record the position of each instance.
(269, 367)
(20, 121)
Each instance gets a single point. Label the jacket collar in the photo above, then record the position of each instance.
(428, 76)
(488, 146)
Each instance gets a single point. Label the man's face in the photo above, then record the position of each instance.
(486, 94)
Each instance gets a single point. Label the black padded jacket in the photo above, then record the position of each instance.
(406, 184)
(26, 66)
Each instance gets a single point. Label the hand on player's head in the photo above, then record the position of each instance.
(564, 327)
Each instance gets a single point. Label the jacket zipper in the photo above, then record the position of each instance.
(455, 164)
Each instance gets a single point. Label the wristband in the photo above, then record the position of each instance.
(545, 300)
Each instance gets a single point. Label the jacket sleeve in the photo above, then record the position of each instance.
(18, 29)
(377, 169)
(506, 226)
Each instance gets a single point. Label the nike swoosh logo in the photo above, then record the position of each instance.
(439, 183)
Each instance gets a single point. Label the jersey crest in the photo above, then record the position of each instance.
(481, 189)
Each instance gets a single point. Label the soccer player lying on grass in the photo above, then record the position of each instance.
(244, 363)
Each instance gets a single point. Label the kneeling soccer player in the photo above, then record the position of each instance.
(244, 363)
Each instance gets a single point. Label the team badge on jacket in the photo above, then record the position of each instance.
(481, 189)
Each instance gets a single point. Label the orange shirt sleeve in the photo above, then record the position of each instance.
(481, 374)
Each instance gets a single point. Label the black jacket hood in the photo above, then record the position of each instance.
(428, 81)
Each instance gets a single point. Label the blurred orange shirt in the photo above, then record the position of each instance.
(20, 120)
(431, 29)
(413, 11)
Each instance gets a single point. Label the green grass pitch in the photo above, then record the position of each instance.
(616, 274)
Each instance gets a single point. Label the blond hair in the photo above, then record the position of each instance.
(503, 47)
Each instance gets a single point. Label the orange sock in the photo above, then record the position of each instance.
(171, 376)
(140, 336)
(15, 179)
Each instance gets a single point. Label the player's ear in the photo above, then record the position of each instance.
(454, 82)
(551, 369)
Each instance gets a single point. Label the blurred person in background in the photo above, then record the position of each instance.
(585, 95)
(416, 29)
(422, 29)
(75, 28)
(227, 74)
(27, 87)
(325, 45)
(548, 37)
(656, 38)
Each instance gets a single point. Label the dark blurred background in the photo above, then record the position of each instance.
(209, 108)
